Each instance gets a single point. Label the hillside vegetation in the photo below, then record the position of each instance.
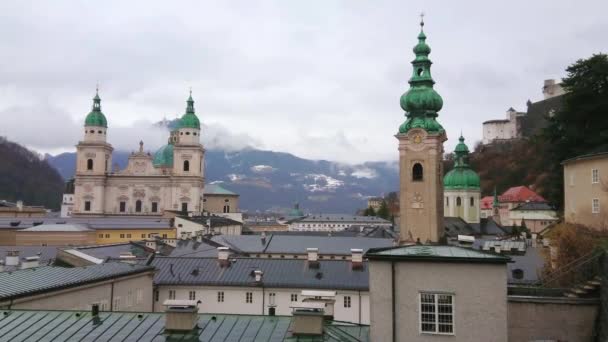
(24, 176)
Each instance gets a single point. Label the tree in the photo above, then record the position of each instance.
(369, 211)
(580, 127)
(383, 211)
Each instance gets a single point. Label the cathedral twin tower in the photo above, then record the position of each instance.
(171, 180)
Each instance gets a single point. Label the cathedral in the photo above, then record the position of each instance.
(170, 180)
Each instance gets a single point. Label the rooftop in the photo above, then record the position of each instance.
(280, 273)
(19, 325)
(58, 228)
(436, 253)
(217, 189)
(92, 222)
(534, 206)
(586, 157)
(297, 244)
(21, 283)
(343, 218)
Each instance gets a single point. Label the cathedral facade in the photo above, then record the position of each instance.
(170, 180)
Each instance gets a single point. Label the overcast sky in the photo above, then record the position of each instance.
(319, 79)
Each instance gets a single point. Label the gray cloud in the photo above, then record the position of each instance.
(319, 79)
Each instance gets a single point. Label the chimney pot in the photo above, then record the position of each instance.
(12, 258)
(258, 275)
(223, 253)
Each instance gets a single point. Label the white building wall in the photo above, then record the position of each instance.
(235, 301)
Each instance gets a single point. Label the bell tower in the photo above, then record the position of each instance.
(421, 140)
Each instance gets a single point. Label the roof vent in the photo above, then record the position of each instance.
(29, 262)
(182, 315)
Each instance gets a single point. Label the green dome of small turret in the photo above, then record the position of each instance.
(96, 117)
(190, 120)
(462, 176)
(164, 156)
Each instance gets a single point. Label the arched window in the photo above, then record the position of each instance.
(417, 172)
(472, 201)
(186, 165)
(226, 209)
(138, 206)
(458, 201)
(89, 164)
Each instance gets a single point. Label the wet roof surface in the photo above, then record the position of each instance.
(281, 273)
(17, 326)
(437, 253)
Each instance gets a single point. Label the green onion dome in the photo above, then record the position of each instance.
(190, 120)
(421, 102)
(462, 176)
(164, 156)
(96, 117)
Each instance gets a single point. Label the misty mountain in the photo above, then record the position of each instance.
(269, 180)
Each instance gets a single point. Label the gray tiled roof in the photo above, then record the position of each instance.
(63, 326)
(284, 273)
(193, 248)
(290, 244)
(50, 278)
(534, 206)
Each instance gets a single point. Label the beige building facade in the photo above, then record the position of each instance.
(423, 295)
(586, 190)
(126, 291)
(171, 179)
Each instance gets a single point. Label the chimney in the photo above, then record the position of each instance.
(356, 257)
(151, 244)
(258, 275)
(181, 315)
(1, 265)
(313, 254)
(263, 237)
(497, 249)
(29, 262)
(95, 310)
(19, 205)
(308, 321)
(12, 258)
(222, 256)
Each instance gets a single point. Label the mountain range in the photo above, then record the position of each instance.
(267, 180)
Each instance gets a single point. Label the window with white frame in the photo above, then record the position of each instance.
(192, 295)
(271, 298)
(595, 176)
(171, 294)
(436, 313)
(595, 205)
(116, 304)
(129, 298)
(139, 296)
(294, 297)
(220, 297)
(248, 297)
(347, 301)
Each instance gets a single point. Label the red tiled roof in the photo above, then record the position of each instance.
(520, 194)
(486, 202)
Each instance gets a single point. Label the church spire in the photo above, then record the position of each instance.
(96, 117)
(421, 102)
(190, 104)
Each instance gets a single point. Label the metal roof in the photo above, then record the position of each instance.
(290, 244)
(435, 253)
(19, 325)
(47, 253)
(534, 206)
(193, 248)
(114, 250)
(42, 279)
(58, 228)
(129, 222)
(216, 189)
(282, 273)
(342, 218)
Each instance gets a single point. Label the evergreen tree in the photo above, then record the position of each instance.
(369, 211)
(383, 211)
(581, 126)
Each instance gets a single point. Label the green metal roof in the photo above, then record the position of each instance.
(164, 156)
(43, 279)
(19, 325)
(462, 176)
(435, 253)
(96, 117)
(217, 189)
(190, 120)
